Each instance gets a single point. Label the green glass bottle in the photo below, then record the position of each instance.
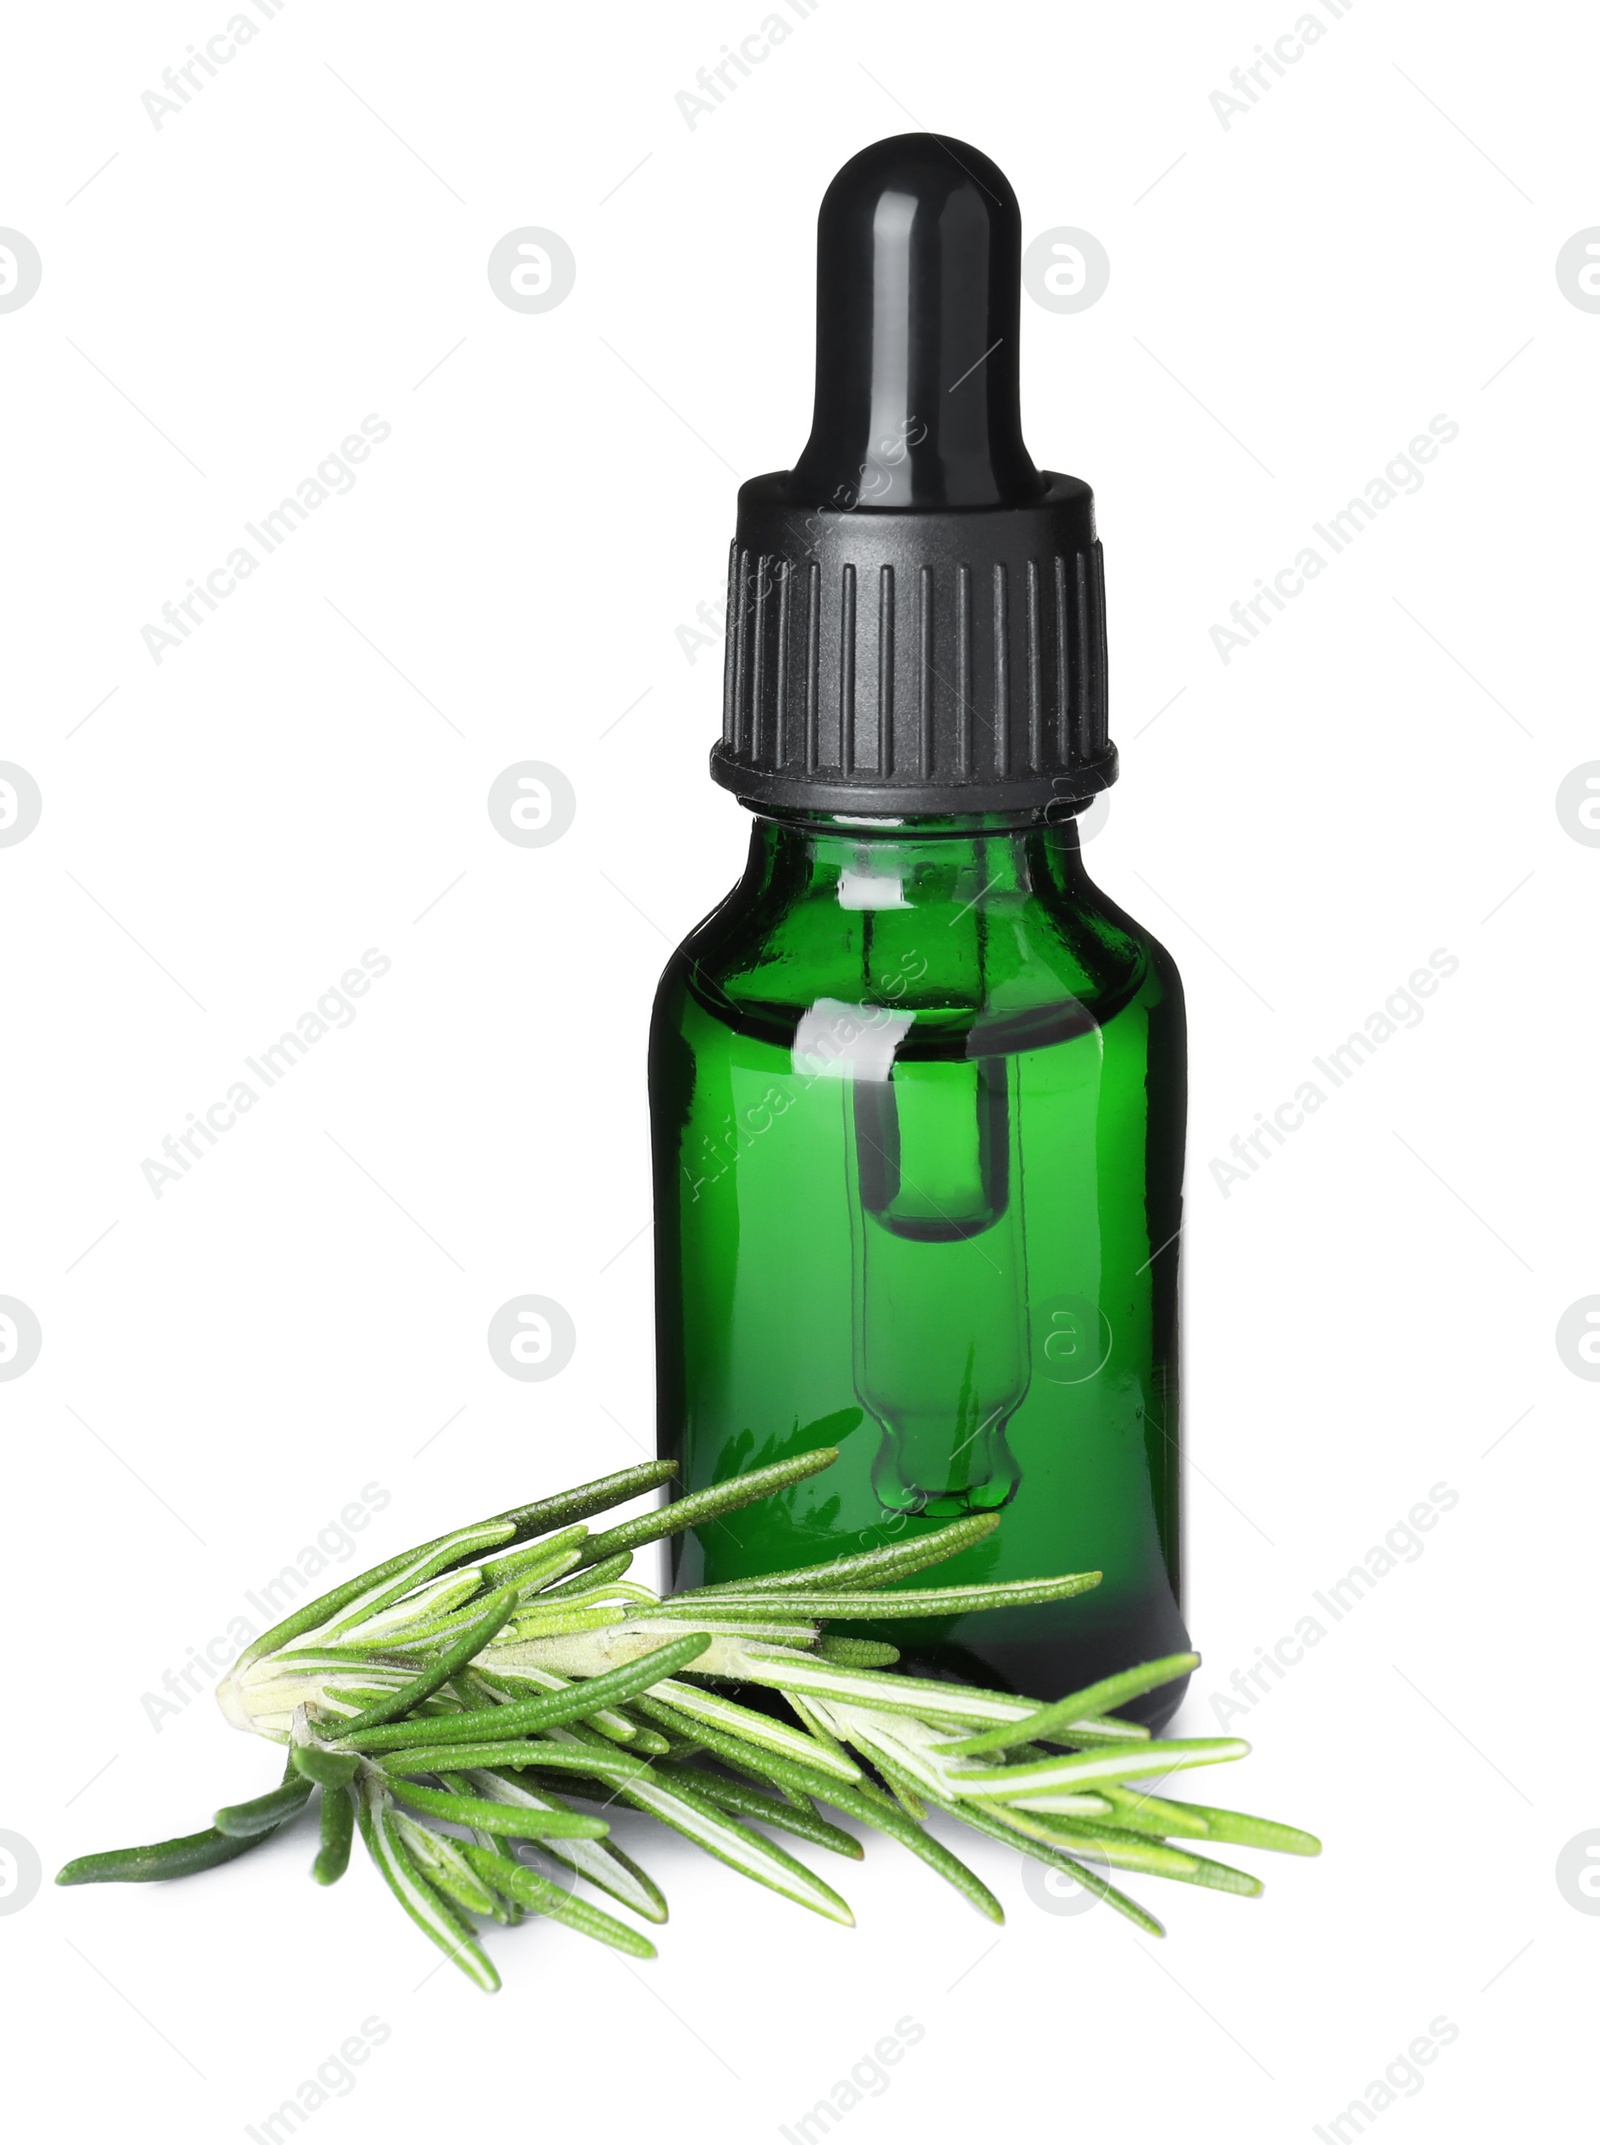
(917, 1085)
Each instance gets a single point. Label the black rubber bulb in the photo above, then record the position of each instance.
(919, 254)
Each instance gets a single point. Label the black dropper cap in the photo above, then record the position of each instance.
(915, 612)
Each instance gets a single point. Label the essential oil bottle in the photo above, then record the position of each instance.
(917, 1085)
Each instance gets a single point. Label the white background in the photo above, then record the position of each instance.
(1292, 298)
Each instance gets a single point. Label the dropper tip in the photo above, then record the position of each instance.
(919, 253)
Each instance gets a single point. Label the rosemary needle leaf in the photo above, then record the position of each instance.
(1222, 1877)
(374, 1591)
(1121, 1850)
(444, 1863)
(876, 1567)
(496, 1816)
(187, 1856)
(518, 1525)
(338, 1827)
(604, 1762)
(722, 1835)
(591, 1576)
(433, 1915)
(242, 1820)
(976, 1816)
(856, 1653)
(1238, 1830)
(328, 1768)
(538, 1894)
(708, 1504)
(602, 1862)
(908, 1601)
(1081, 1706)
(587, 1499)
(709, 1707)
(536, 1563)
(1137, 1810)
(889, 1817)
(1095, 1765)
(758, 1809)
(797, 1777)
(501, 1608)
(526, 1715)
(165, 1858)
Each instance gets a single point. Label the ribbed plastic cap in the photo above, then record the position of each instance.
(916, 614)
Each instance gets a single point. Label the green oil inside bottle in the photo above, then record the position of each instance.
(919, 1104)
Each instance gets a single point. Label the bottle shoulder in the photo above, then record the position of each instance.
(1003, 960)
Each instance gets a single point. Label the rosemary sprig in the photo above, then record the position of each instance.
(458, 1684)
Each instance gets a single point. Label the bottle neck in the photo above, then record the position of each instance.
(895, 864)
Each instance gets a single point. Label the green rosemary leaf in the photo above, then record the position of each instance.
(724, 1837)
(526, 1715)
(1081, 1836)
(424, 1561)
(756, 1808)
(856, 1653)
(433, 1915)
(242, 1820)
(760, 1728)
(519, 1824)
(588, 1498)
(891, 1818)
(338, 1827)
(594, 1575)
(539, 1622)
(443, 1861)
(540, 1896)
(501, 1607)
(702, 1505)
(412, 1566)
(604, 1761)
(536, 1562)
(1003, 1782)
(184, 1857)
(1238, 1830)
(648, 1742)
(1081, 1707)
(906, 1796)
(411, 1619)
(974, 1815)
(1222, 1877)
(1137, 1810)
(328, 1768)
(483, 1689)
(809, 1717)
(909, 1601)
(800, 1778)
(959, 1704)
(602, 1862)
(875, 1567)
